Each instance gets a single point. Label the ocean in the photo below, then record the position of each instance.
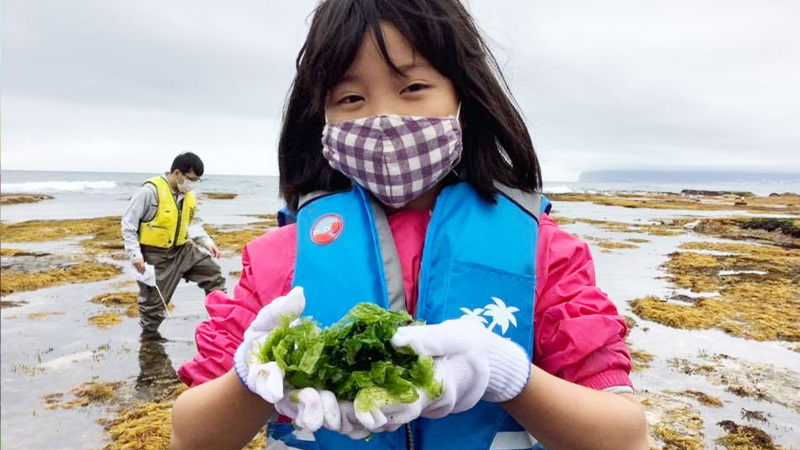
(98, 194)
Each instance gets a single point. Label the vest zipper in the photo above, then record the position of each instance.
(180, 212)
(409, 437)
(178, 227)
(427, 245)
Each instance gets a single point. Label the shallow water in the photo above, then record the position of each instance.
(60, 352)
(57, 353)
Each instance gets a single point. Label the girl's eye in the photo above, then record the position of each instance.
(350, 99)
(416, 87)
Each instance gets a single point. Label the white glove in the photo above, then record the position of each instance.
(308, 408)
(391, 417)
(266, 379)
(471, 362)
(350, 425)
(311, 409)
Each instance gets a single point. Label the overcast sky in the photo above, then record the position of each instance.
(126, 85)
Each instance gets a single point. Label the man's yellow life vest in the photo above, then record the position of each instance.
(170, 226)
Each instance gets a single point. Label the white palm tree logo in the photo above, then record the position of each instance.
(501, 314)
(474, 314)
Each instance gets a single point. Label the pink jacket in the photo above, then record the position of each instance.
(578, 333)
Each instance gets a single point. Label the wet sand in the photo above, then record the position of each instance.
(730, 382)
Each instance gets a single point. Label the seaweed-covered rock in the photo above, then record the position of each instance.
(789, 226)
(716, 193)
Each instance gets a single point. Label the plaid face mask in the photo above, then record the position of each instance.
(397, 158)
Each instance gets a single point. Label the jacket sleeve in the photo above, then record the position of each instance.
(267, 271)
(579, 336)
(196, 231)
(136, 211)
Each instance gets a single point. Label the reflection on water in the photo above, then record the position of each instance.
(156, 374)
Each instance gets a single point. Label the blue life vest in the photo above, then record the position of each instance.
(479, 260)
(285, 217)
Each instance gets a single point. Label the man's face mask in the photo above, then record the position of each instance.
(397, 158)
(186, 184)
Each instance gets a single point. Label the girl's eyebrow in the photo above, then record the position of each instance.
(403, 68)
(413, 65)
(348, 77)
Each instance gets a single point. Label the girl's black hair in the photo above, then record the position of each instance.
(497, 146)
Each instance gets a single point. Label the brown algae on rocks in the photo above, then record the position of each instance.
(703, 314)
(15, 199)
(11, 303)
(673, 423)
(126, 301)
(690, 368)
(148, 425)
(658, 228)
(10, 252)
(608, 243)
(640, 359)
(756, 291)
(88, 393)
(145, 426)
(702, 397)
(105, 320)
(783, 232)
(234, 239)
(105, 233)
(44, 315)
(763, 382)
(754, 415)
(691, 200)
(743, 437)
(273, 218)
(219, 195)
(87, 271)
(561, 221)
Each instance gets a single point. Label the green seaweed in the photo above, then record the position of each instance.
(353, 358)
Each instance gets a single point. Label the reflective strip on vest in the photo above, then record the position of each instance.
(285, 437)
(513, 440)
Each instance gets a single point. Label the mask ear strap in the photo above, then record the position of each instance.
(458, 113)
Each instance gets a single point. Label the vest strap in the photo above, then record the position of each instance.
(534, 203)
(311, 196)
(391, 261)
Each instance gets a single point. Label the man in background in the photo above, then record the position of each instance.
(160, 227)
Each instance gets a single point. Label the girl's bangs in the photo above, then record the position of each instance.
(340, 28)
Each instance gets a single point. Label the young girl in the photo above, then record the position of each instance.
(414, 182)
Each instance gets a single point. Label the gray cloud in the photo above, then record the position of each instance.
(91, 85)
